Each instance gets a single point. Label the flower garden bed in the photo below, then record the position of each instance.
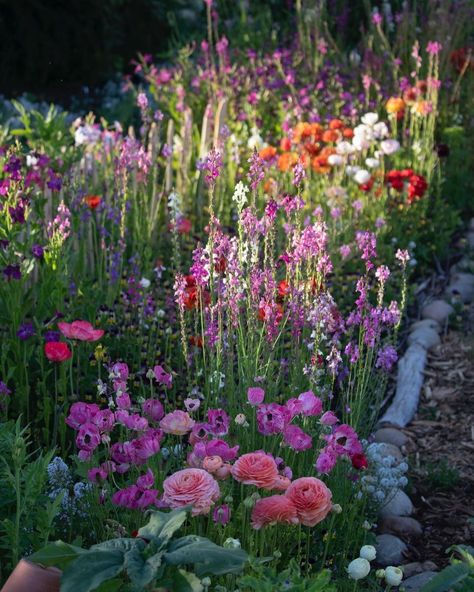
(205, 319)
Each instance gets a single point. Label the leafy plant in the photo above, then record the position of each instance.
(459, 576)
(267, 578)
(153, 558)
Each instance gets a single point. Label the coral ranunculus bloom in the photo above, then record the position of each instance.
(92, 201)
(268, 153)
(57, 351)
(81, 330)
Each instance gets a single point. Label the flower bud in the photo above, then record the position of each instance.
(393, 575)
(358, 568)
(368, 552)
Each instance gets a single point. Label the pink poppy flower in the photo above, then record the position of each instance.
(255, 395)
(81, 330)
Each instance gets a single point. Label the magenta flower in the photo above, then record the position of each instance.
(104, 420)
(272, 418)
(329, 418)
(80, 414)
(80, 330)
(153, 409)
(326, 461)
(218, 422)
(434, 47)
(221, 514)
(312, 405)
(88, 437)
(297, 439)
(255, 395)
(162, 376)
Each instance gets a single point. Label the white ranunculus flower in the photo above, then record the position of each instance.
(380, 130)
(390, 146)
(335, 159)
(255, 140)
(393, 575)
(368, 552)
(352, 170)
(360, 143)
(370, 118)
(344, 148)
(372, 163)
(145, 282)
(358, 568)
(361, 177)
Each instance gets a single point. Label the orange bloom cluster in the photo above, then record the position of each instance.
(311, 144)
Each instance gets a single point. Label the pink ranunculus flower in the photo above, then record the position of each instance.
(212, 463)
(311, 498)
(272, 510)
(281, 483)
(223, 472)
(255, 468)
(81, 330)
(177, 423)
(191, 487)
(255, 395)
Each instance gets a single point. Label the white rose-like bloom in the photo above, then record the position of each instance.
(390, 146)
(370, 118)
(335, 159)
(372, 163)
(358, 568)
(364, 131)
(361, 142)
(368, 552)
(393, 575)
(352, 170)
(361, 177)
(345, 148)
(380, 130)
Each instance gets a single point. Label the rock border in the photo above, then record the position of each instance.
(395, 522)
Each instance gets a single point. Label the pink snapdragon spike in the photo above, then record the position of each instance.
(163, 377)
(255, 395)
(80, 330)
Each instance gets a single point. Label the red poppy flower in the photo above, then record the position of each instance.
(57, 351)
(283, 288)
(92, 201)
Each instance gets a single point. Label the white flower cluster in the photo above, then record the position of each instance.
(369, 132)
(385, 475)
(87, 135)
(240, 196)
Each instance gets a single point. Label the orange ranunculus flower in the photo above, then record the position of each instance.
(336, 124)
(347, 132)
(268, 153)
(302, 130)
(319, 164)
(330, 136)
(285, 144)
(92, 201)
(395, 105)
(286, 161)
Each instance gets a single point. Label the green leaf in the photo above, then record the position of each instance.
(110, 586)
(58, 554)
(206, 556)
(162, 526)
(140, 572)
(446, 579)
(92, 569)
(184, 581)
(122, 544)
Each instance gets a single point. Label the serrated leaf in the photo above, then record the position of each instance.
(59, 554)
(91, 569)
(206, 556)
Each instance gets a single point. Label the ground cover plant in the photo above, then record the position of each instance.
(202, 305)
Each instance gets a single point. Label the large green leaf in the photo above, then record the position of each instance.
(90, 570)
(162, 526)
(446, 579)
(58, 554)
(140, 572)
(206, 556)
(184, 581)
(122, 544)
